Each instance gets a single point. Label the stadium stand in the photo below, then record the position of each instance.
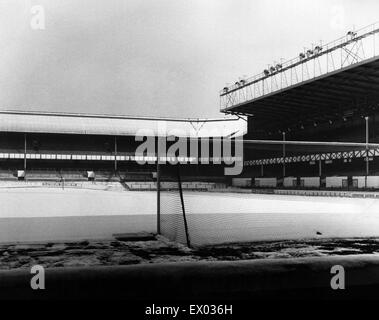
(330, 102)
(69, 149)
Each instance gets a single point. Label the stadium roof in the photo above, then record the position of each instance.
(325, 82)
(319, 98)
(68, 123)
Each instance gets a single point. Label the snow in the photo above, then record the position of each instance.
(34, 214)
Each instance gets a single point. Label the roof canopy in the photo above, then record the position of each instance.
(38, 122)
(325, 83)
(322, 98)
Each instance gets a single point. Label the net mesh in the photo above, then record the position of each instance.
(173, 221)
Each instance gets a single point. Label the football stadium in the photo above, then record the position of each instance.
(303, 132)
(313, 160)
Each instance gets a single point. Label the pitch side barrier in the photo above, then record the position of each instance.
(324, 193)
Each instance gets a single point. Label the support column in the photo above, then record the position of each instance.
(284, 155)
(115, 154)
(158, 196)
(25, 146)
(373, 126)
(367, 157)
(319, 168)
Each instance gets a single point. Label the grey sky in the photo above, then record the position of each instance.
(155, 57)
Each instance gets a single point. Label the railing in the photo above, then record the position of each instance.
(321, 59)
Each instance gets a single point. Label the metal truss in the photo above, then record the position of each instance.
(315, 157)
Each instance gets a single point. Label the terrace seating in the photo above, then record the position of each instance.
(136, 176)
(73, 175)
(106, 176)
(172, 185)
(7, 175)
(44, 175)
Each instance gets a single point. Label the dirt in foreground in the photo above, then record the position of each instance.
(113, 252)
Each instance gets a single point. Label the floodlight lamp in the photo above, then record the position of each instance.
(278, 67)
(272, 69)
(317, 49)
(266, 72)
(352, 34)
(301, 56)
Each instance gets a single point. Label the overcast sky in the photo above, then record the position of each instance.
(155, 57)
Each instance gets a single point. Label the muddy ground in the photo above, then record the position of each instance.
(114, 252)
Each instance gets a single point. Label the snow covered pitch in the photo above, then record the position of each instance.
(47, 214)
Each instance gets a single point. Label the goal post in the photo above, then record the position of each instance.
(171, 209)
